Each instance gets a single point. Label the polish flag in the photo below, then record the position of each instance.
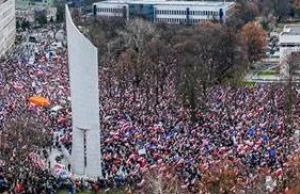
(278, 172)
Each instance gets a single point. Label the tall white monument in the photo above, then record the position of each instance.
(83, 71)
(7, 25)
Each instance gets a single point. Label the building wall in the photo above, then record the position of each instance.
(112, 10)
(34, 3)
(83, 65)
(182, 12)
(7, 25)
(26, 13)
(179, 13)
(288, 43)
(140, 10)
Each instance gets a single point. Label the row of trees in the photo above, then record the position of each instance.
(227, 177)
(151, 57)
(20, 135)
(270, 11)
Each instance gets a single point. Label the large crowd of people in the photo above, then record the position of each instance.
(244, 125)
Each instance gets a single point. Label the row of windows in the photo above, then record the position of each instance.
(171, 20)
(110, 10)
(181, 12)
(164, 12)
(208, 13)
(290, 45)
(177, 20)
(170, 12)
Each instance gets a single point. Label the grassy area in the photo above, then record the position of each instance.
(246, 83)
(268, 72)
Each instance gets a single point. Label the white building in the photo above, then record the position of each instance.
(289, 40)
(7, 25)
(26, 9)
(25, 12)
(165, 11)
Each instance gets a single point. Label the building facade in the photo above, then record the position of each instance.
(174, 12)
(83, 71)
(26, 9)
(28, 13)
(289, 42)
(34, 3)
(7, 25)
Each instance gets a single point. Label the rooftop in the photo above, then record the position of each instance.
(293, 29)
(166, 2)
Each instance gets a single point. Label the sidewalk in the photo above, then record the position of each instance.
(55, 152)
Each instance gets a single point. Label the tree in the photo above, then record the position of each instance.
(18, 25)
(25, 25)
(255, 39)
(204, 54)
(160, 61)
(293, 73)
(60, 13)
(292, 173)
(108, 64)
(221, 177)
(21, 135)
(244, 11)
(123, 72)
(157, 181)
(293, 66)
(188, 69)
(41, 17)
(281, 8)
(295, 4)
(135, 36)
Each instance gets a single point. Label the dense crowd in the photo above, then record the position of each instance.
(244, 125)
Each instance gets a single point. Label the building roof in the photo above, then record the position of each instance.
(166, 2)
(291, 30)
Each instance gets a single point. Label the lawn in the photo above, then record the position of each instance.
(246, 83)
(268, 72)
